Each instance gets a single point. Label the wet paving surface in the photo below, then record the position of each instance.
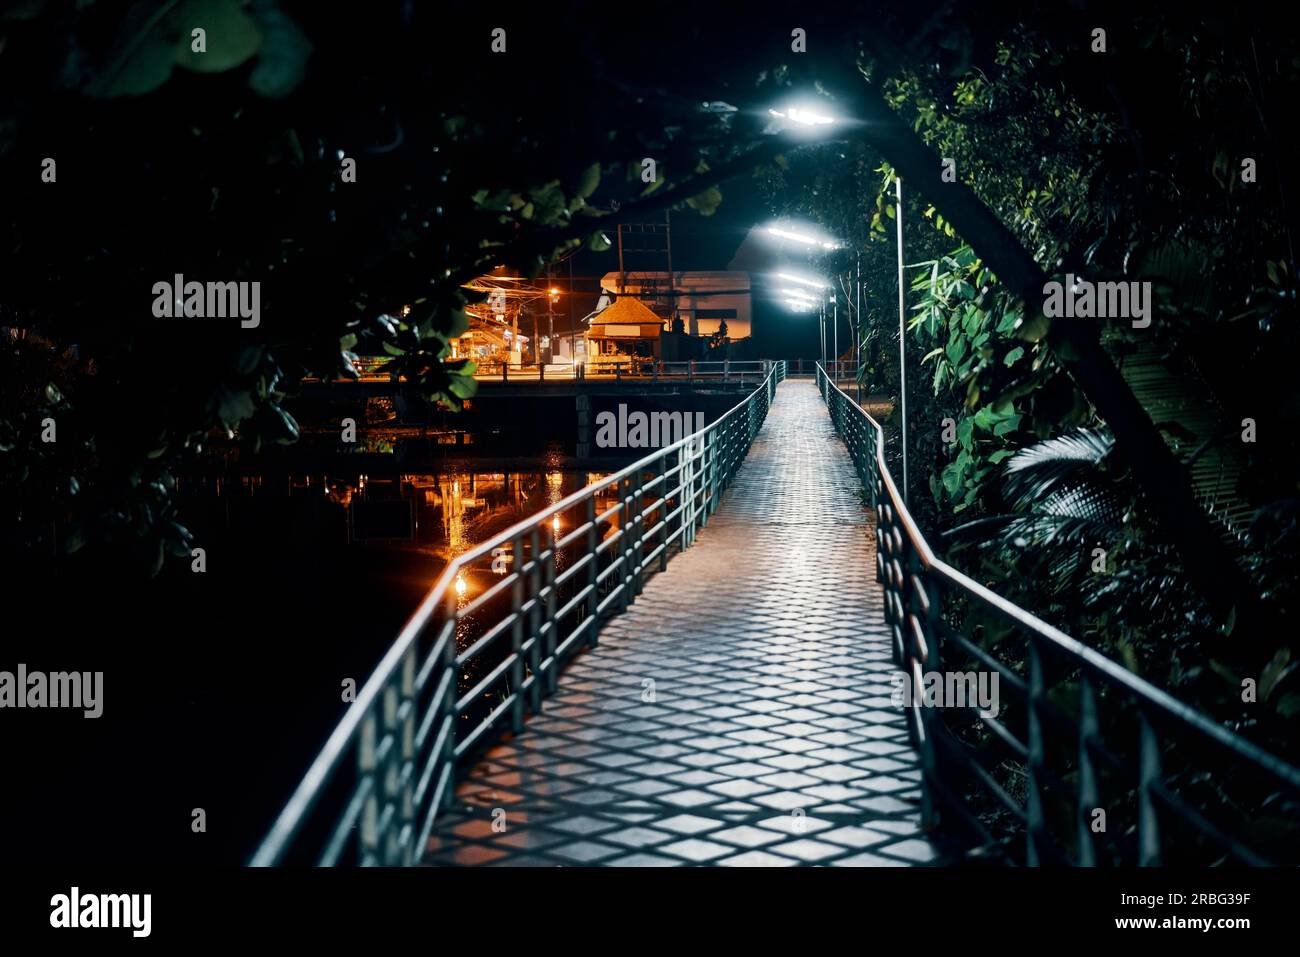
(738, 713)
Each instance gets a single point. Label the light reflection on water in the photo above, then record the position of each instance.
(407, 527)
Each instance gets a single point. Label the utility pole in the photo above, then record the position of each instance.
(672, 299)
(622, 273)
(835, 309)
(514, 335)
(550, 313)
(821, 326)
(857, 325)
(573, 333)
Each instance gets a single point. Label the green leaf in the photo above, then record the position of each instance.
(233, 406)
(589, 181)
(707, 202)
(282, 62)
(1033, 329)
(951, 479)
(463, 386)
(1288, 705)
(1013, 355)
(1007, 425)
(141, 58)
(459, 324)
(232, 36)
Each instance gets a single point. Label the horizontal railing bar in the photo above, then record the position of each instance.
(573, 569)
(434, 656)
(575, 601)
(485, 725)
(488, 637)
(339, 836)
(435, 708)
(562, 648)
(489, 679)
(1184, 810)
(491, 592)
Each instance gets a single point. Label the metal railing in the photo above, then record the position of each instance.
(745, 371)
(1090, 763)
(465, 667)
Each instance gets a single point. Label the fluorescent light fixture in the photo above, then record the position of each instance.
(796, 294)
(800, 280)
(802, 238)
(804, 117)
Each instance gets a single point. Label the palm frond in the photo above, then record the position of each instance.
(1033, 473)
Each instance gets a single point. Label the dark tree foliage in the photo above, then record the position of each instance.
(227, 166)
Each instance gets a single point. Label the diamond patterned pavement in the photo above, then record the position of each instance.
(738, 713)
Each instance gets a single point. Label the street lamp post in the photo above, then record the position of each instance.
(835, 311)
(550, 312)
(857, 326)
(821, 326)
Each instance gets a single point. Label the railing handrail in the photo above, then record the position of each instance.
(1149, 699)
(322, 769)
(1069, 647)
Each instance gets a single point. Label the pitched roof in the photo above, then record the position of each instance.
(627, 309)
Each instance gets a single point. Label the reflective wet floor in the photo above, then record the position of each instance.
(738, 713)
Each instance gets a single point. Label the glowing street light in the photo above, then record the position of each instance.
(804, 117)
(461, 586)
(802, 281)
(804, 238)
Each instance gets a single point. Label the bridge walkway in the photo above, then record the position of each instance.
(738, 713)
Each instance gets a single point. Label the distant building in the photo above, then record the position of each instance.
(625, 327)
(702, 300)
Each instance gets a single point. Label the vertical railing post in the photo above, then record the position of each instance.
(685, 481)
(1149, 776)
(517, 638)
(535, 623)
(449, 703)
(626, 532)
(407, 782)
(593, 571)
(663, 511)
(1036, 823)
(1087, 795)
(638, 544)
(367, 745)
(390, 777)
(552, 600)
(925, 607)
(710, 476)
